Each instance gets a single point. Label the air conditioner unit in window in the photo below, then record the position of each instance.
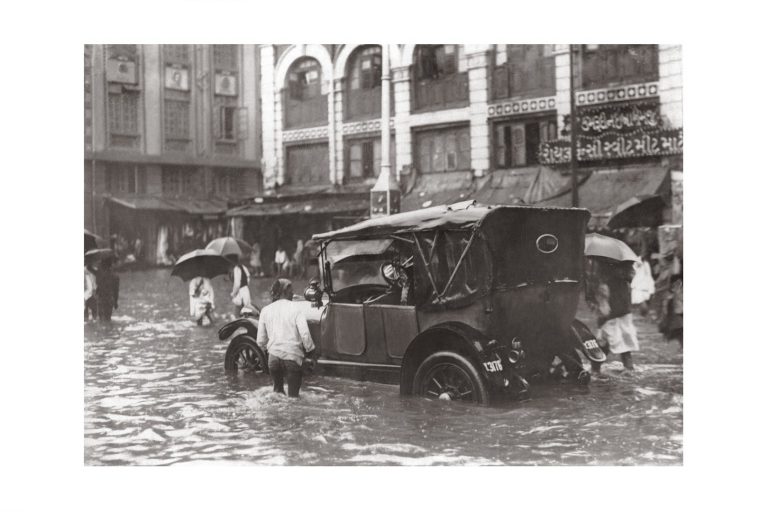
(177, 78)
(121, 71)
(225, 84)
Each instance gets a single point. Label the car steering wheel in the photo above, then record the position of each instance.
(387, 274)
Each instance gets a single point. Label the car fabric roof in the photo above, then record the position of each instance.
(457, 216)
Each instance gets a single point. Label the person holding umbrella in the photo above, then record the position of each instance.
(610, 270)
(235, 250)
(199, 267)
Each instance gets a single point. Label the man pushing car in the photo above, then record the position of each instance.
(284, 334)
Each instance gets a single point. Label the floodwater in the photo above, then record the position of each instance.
(156, 394)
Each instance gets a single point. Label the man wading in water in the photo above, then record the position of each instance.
(283, 332)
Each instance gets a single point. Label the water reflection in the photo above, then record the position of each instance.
(156, 394)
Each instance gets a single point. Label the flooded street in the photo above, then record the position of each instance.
(156, 393)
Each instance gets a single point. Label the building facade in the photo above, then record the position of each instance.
(172, 138)
(488, 122)
(287, 138)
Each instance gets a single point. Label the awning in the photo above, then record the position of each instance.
(526, 185)
(191, 206)
(314, 206)
(439, 188)
(605, 190)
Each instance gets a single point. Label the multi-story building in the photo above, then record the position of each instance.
(171, 139)
(489, 122)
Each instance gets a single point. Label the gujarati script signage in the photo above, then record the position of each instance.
(623, 118)
(614, 145)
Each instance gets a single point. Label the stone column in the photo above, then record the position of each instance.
(249, 76)
(202, 99)
(270, 118)
(401, 80)
(477, 69)
(99, 98)
(337, 132)
(671, 84)
(562, 84)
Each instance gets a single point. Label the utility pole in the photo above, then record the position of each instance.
(385, 194)
(574, 130)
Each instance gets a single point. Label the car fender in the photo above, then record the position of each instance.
(485, 351)
(582, 339)
(229, 329)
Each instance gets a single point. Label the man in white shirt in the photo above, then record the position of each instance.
(284, 333)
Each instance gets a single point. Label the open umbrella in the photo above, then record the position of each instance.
(200, 263)
(92, 241)
(607, 247)
(638, 211)
(228, 245)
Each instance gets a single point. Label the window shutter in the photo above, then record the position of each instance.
(501, 82)
(242, 124)
(518, 144)
(217, 122)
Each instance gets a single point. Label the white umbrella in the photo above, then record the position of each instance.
(607, 247)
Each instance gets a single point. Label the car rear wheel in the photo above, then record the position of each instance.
(450, 376)
(244, 354)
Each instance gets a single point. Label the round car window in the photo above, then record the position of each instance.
(547, 243)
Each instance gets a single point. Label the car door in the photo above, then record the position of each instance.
(342, 331)
(389, 329)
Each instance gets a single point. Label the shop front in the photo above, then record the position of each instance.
(148, 231)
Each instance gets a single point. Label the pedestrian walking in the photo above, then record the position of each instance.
(256, 260)
(643, 286)
(283, 332)
(281, 261)
(201, 300)
(610, 299)
(90, 294)
(107, 290)
(298, 260)
(241, 294)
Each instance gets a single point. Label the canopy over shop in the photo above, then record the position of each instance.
(282, 221)
(157, 230)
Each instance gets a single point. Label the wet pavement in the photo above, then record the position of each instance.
(156, 394)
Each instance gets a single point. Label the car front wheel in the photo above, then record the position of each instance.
(244, 354)
(450, 376)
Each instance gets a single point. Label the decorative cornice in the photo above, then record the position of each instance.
(526, 106)
(622, 93)
(320, 132)
(372, 126)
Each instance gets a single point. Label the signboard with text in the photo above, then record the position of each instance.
(616, 131)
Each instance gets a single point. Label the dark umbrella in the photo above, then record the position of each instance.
(99, 255)
(200, 263)
(607, 247)
(638, 211)
(228, 246)
(92, 241)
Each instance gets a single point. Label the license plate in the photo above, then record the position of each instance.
(591, 344)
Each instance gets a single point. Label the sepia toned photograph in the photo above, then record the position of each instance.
(383, 254)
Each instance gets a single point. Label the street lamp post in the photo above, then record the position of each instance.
(574, 136)
(385, 194)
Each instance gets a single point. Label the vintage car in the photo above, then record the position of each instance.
(461, 302)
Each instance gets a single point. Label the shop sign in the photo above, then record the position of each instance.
(622, 118)
(614, 145)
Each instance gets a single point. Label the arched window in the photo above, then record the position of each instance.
(523, 70)
(607, 65)
(440, 76)
(363, 94)
(305, 103)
